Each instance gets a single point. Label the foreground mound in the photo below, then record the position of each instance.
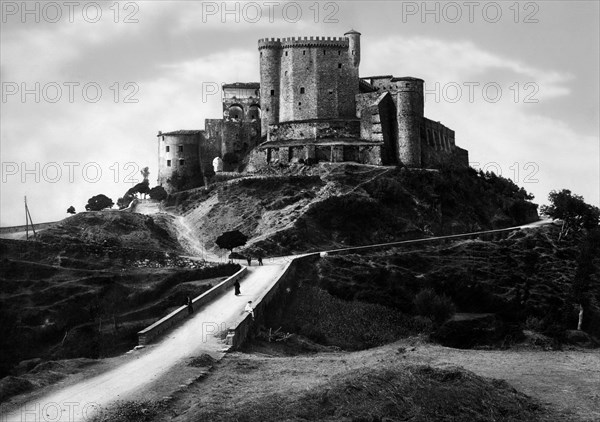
(115, 229)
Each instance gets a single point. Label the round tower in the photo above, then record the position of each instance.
(270, 66)
(409, 106)
(354, 48)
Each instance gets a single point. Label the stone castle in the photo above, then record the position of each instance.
(311, 106)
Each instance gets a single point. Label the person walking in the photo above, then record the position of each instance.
(236, 285)
(190, 306)
(249, 259)
(249, 309)
(259, 257)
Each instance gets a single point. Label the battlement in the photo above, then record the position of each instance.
(294, 42)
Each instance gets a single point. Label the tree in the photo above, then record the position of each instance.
(71, 210)
(232, 239)
(99, 202)
(582, 283)
(145, 173)
(572, 210)
(158, 193)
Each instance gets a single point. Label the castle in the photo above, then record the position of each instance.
(311, 106)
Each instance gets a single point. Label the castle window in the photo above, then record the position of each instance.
(300, 103)
(324, 52)
(286, 72)
(301, 90)
(261, 54)
(339, 65)
(180, 148)
(331, 91)
(267, 109)
(353, 52)
(304, 52)
(272, 93)
(339, 52)
(407, 85)
(168, 163)
(286, 53)
(181, 162)
(167, 148)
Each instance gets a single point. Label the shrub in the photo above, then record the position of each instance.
(429, 304)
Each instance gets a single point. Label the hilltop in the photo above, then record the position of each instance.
(327, 206)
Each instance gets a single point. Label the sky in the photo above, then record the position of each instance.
(86, 86)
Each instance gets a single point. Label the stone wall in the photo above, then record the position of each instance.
(305, 79)
(178, 152)
(315, 130)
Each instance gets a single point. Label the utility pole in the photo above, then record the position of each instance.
(28, 220)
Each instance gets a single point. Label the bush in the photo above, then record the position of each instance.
(438, 308)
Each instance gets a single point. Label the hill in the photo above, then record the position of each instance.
(335, 205)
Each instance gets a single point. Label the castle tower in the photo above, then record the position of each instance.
(354, 47)
(270, 66)
(409, 107)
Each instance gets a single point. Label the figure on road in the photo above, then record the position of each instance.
(190, 307)
(259, 257)
(249, 308)
(237, 288)
(249, 259)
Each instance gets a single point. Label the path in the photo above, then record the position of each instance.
(195, 336)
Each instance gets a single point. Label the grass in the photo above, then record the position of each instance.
(411, 393)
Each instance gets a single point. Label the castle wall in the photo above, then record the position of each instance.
(408, 97)
(314, 130)
(377, 113)
(438, 146)
(231, 137)
(179, 153)
(318, 78)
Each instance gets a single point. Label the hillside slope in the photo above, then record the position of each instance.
(335, 205)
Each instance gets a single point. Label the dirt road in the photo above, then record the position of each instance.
(199, 334)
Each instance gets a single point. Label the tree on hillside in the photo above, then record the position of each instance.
(99, 202)
(145, 173)
(158, 193)
(585, 270)
(232, 239)
(572, 210)
(71, 210)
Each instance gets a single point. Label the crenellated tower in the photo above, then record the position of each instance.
(309, 78)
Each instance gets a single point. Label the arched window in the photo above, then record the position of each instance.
(254, 112)
(236, 111)
(301, 90)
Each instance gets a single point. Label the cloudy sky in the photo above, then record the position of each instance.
(87, 85)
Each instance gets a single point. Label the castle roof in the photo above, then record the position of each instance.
(352, 31)
(407, 78)
(378, 77)
(249, 85)
(180, 132)
(365, 86)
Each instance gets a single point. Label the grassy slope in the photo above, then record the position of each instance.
(329, 206)
(41, 299)
(525, 280)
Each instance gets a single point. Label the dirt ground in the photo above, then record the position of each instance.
(567, 382)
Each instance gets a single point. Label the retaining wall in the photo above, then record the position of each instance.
(273, 300)
(17, 229)
(149, 333)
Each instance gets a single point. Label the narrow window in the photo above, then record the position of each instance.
(272, 93)
(286, 72)
(339, 65)
(167, 148)
(300, 103)
(180, 148)
(324, 52)
(301, 90)
(353, 53)
(181, 162)
(168, 163)
(339, 52)
(331, 91)
(286, 53)
(304, 52)
(261, 54)
(267, 109)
